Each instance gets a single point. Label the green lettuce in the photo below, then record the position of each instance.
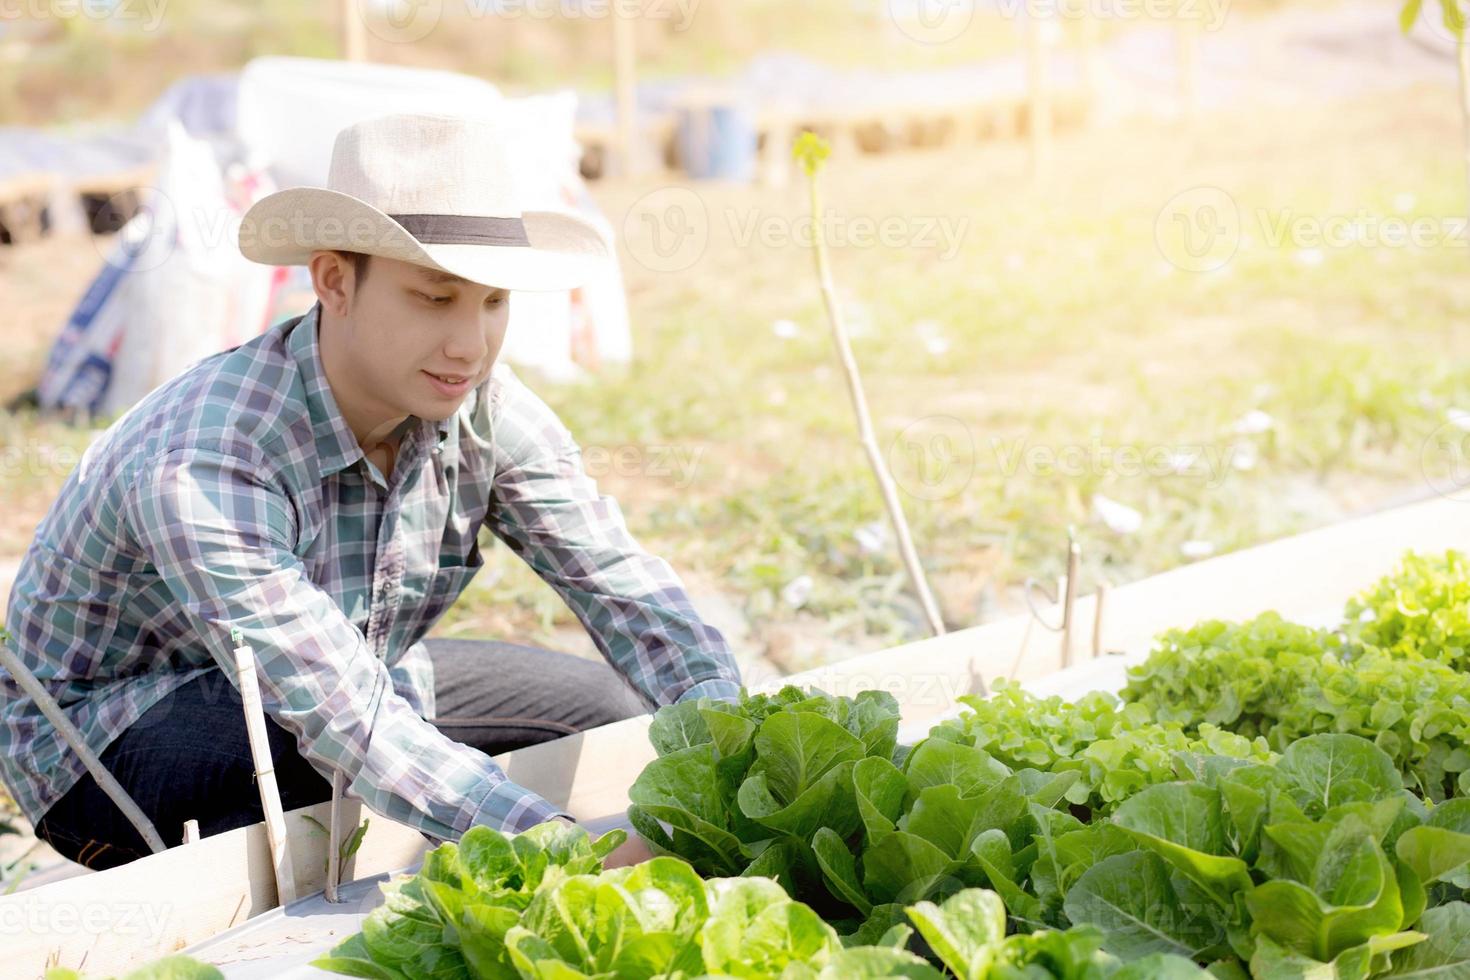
(451, 918)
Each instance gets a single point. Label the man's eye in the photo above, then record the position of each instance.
(436, 300)
(495, 299)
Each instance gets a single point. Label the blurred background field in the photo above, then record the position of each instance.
(1012, 370)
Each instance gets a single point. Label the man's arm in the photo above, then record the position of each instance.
(547, 509)
(220, 538)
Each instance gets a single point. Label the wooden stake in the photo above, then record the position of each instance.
(625, 78)
(105, 780)
(1097, 620)
(865, 421)
(334, 845)
(1069, 597)
(1187, 33)
(265, 773)
(1462, 60)
(191, 831)
(354, 36)
(1038, 76)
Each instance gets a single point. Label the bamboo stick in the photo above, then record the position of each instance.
(105, 780)
(864, 418)
(265, 773)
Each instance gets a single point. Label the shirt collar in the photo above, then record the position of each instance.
(336, 446)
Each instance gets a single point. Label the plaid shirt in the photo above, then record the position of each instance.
(237, 496)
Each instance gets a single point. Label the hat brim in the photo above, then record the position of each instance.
(286, 227)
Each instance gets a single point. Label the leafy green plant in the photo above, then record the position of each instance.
(1270, 678)
(660, 919)
(1117, 749)
(1322, 861)
(451, 918)
(813, 791)
(1420, 610)
(742, 788)
(168, 968)
(346, 847)
(968, 934)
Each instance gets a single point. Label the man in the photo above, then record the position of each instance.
(320, 489)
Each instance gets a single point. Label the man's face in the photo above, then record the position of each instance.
(418, 340)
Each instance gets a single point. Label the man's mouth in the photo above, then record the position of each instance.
(450, 385)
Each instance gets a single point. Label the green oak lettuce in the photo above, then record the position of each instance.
(1116, 749)
(1283, 682)
(1420, 610)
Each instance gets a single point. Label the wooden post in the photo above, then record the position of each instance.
(625, 75)
(191, 831)
(1038, 77)
(1186, 33)
(353, 36)
(1097, 619)
(1090, 29)
(265, 773)
(1462, 59)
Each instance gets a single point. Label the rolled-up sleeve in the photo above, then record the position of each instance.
(548, 510)
(220, 536)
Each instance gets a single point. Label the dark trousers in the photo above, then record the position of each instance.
(189, 757)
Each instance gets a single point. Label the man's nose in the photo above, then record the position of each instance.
(468, 342)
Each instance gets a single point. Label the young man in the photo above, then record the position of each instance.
(320, 489)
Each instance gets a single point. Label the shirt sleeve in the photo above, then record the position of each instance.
(220, 537)
(548, 511)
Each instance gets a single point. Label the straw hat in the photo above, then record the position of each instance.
(437, 191)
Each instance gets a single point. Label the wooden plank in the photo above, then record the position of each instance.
(108, 922)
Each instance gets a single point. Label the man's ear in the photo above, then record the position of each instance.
(332, 278)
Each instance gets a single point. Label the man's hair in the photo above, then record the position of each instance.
(359, 266)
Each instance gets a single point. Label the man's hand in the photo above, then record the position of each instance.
(632, 851)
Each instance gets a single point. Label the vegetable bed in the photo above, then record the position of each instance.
(1263, 799)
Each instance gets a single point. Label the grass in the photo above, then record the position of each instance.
(1057, 327)
(82, 69)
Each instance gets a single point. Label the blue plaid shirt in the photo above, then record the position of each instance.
(237, 496)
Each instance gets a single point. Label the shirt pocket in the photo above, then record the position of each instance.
(442, 588)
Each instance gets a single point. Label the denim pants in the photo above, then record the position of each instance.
(188, 757)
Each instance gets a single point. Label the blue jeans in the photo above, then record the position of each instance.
(188, 757)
